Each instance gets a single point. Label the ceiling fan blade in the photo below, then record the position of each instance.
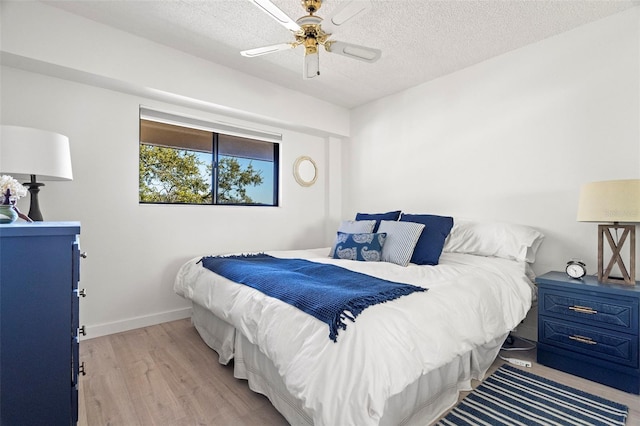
(355, 51)
(311, 65)
(259, 51)
(277, 14)
(344, 13)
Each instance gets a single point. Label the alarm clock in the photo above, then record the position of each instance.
(576, 269)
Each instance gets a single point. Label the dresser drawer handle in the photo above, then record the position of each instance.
(583, 309)
(583, 339)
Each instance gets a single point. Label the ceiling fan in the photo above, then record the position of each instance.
(312, 31)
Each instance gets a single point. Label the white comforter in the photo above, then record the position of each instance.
(471, 301)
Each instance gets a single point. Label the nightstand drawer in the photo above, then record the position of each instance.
(615, 314)
(609, 346)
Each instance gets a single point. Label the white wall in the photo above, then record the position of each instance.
(135, 250)
(510, 139)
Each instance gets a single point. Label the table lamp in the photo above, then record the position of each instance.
(614, 202)
(27, 153)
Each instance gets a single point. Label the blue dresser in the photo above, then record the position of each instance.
(39, 273)
(590, 329)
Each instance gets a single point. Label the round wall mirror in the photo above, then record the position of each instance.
(305, 171)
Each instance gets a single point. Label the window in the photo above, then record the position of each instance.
(186, 165)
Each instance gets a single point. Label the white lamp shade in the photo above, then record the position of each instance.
(25, 151)
(610, 201)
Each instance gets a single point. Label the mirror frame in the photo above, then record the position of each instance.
(296, 171)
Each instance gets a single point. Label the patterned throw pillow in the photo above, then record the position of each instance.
(401, 241)
(354, 227)
(363, 247)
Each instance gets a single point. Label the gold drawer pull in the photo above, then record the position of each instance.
(583, 309)
(583, 339)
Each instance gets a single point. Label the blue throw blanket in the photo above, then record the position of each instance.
(329, 293)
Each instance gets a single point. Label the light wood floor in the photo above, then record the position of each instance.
(166, 375)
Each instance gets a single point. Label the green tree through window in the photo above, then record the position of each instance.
(169, 175)
(180, 165)
(233, 181)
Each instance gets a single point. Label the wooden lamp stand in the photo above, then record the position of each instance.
(604, 232)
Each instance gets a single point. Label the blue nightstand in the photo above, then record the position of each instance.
(590, 329)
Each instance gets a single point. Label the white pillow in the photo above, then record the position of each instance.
(353, 227)
(505, 240)
(401, 240)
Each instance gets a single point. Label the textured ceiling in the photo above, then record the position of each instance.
(420, 40)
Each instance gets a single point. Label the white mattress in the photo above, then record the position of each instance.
(471, 302)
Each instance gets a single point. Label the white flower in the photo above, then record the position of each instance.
(16, 189)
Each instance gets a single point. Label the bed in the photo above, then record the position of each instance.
(402, 362)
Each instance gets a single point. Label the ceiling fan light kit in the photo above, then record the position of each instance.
(308, 32)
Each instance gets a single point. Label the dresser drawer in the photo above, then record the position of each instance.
(597, 343)
(620, 314)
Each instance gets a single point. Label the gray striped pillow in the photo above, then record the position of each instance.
(401, 240)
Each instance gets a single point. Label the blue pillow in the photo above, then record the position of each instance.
(378, 217)
(354, 227)
(431, 241)
(363, 247)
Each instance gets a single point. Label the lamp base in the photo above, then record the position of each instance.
(604, 273)
(34, 209)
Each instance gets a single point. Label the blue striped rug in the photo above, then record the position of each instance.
(511, 396)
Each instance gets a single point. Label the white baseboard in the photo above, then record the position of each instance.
(133, 323)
